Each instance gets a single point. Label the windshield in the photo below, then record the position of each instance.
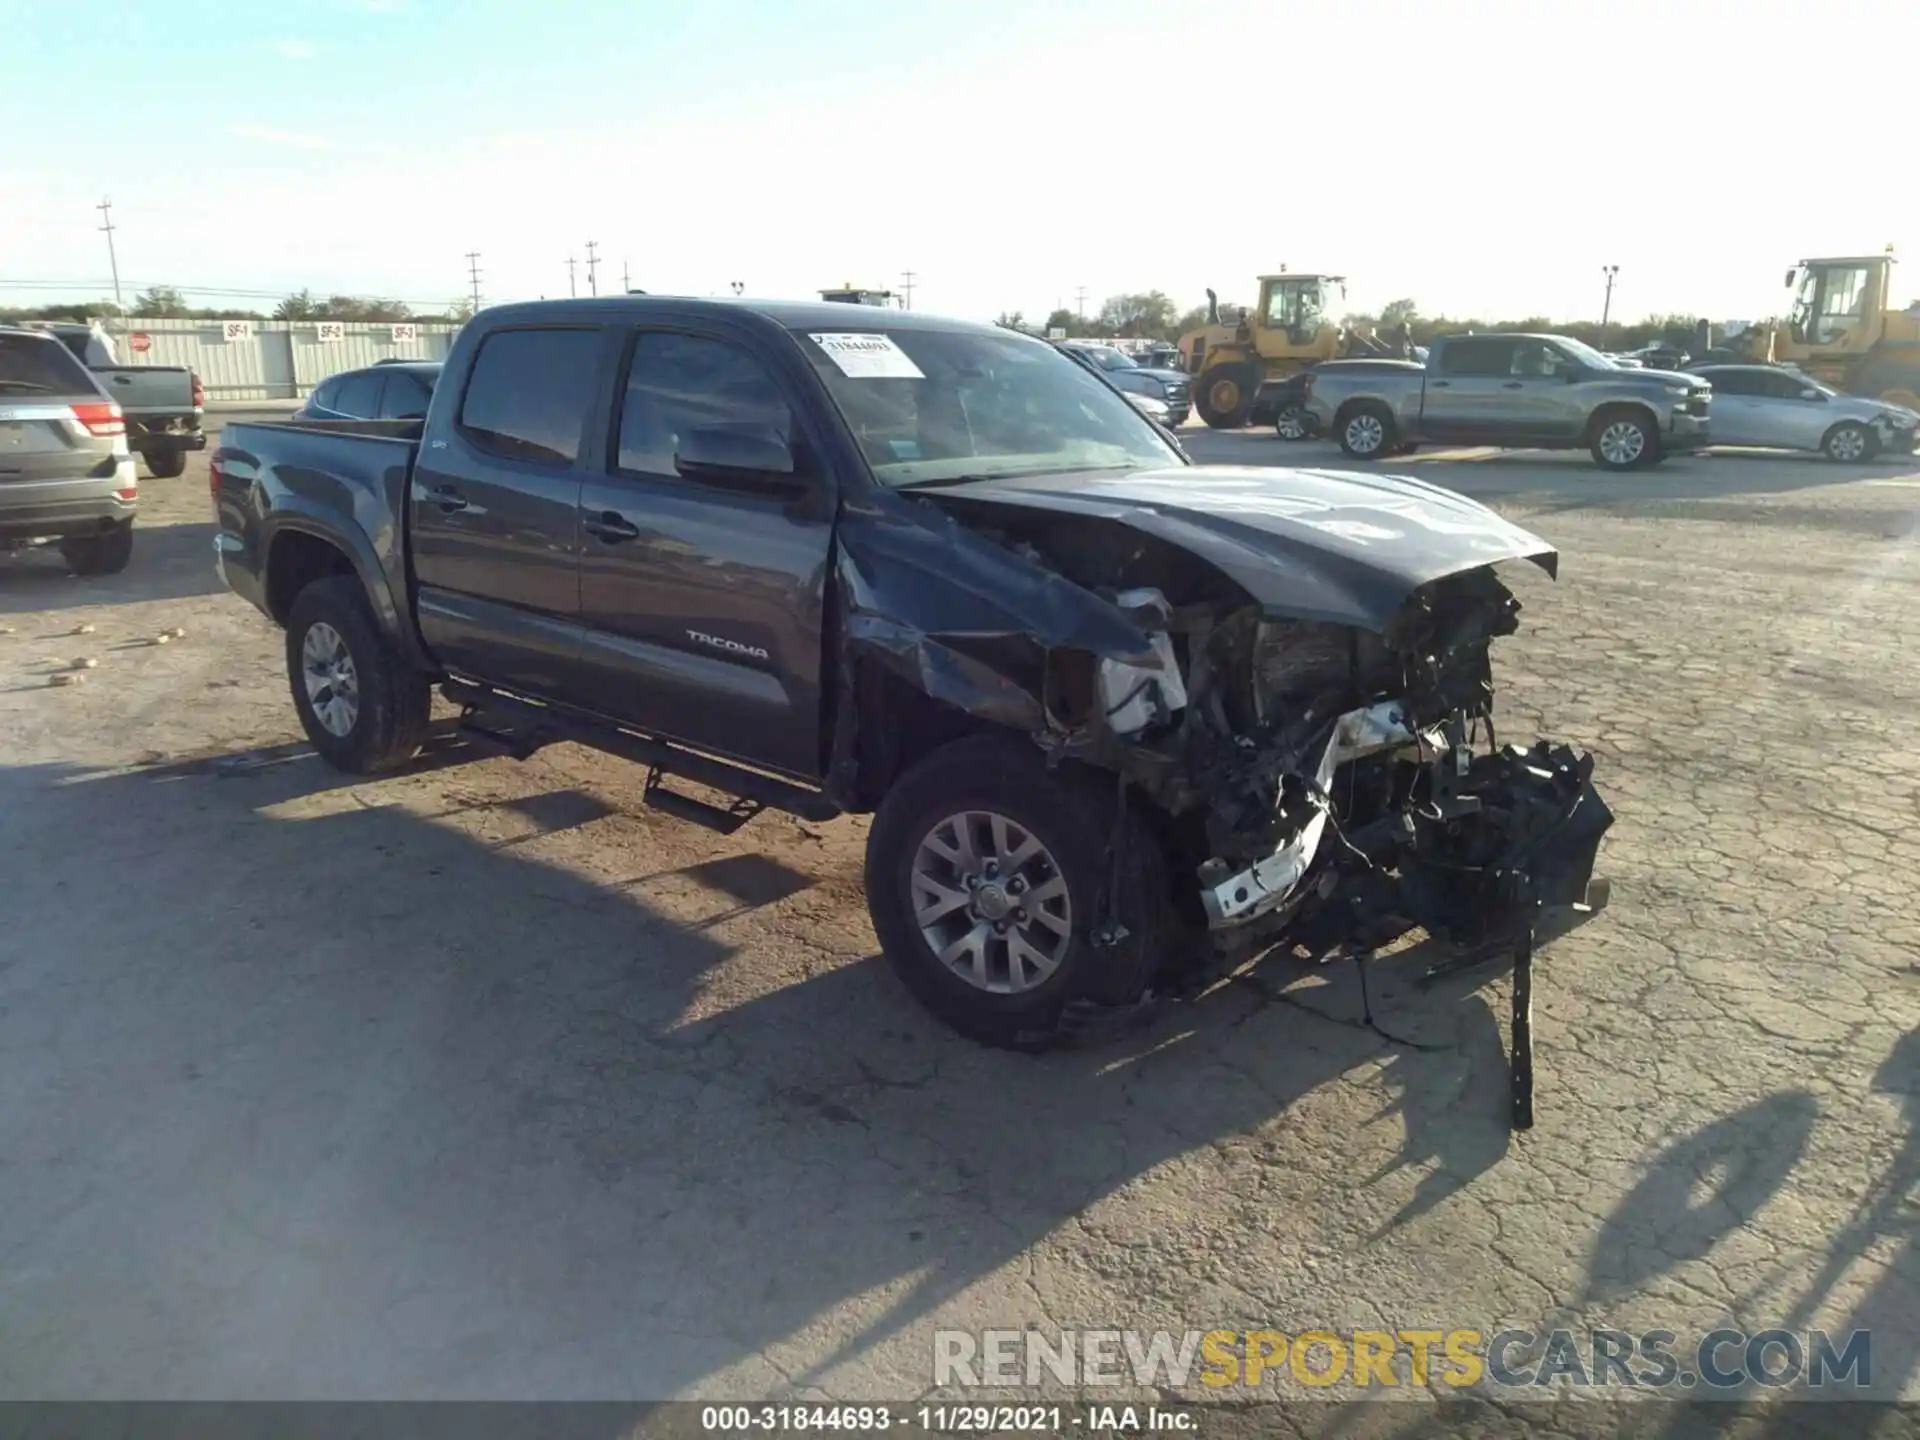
(1584, 353)
(1107, 358)
(930, 405)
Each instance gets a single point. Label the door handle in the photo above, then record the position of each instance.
(449, 499)
(1438, 384)
(123, 379)
(612, 527)
(1511, 385)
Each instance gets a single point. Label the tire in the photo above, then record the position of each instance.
(105, 552)
(384, 721)
(1224, 395)
(168, 465)
(1623, 440)
(1068, 811)
(1365, 431)
(1292, 423)
(1850, 442)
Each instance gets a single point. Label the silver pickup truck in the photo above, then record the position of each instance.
(164, 405)
(1533, 391)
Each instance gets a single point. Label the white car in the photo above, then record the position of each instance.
(1769, 405)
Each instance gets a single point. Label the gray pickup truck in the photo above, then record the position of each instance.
(164, 405)
(1535, 391)
(1113, 713)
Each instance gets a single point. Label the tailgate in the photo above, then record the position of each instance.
(149, 389)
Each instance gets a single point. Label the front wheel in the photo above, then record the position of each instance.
(1224, 395)
(363, 707)
(1623, 441)
(1850, 442)
(988, 875)
(105, 552)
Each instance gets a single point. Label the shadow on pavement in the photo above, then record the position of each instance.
(170, 562)
(304, 1095)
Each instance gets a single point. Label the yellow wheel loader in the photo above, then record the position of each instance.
(1237, 366)
(1842, 329)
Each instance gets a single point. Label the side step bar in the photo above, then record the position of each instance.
(521, 727)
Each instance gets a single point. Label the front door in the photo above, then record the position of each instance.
(496, 509)
(702, 601)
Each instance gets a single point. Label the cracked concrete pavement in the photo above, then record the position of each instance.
(486, 1081)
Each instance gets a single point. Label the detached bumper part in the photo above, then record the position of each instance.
(1269, 884)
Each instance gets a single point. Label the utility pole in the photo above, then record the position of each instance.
(739, 287)
(572, 288)
(473, 275)
(593, 262)
(1606, 310)
(626, 278)
(906, 289)
(105, 207)
(1080, 301)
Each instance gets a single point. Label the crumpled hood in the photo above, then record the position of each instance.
(1327, 545)
(1668, 376)
(1161, 373)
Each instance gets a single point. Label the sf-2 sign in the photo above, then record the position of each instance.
(329, 332)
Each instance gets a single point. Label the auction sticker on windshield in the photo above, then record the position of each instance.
(868, 357)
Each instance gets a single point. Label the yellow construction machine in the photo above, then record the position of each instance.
(1844, 330)
(1291, 329)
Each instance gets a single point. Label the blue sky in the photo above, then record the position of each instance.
(1482, 156)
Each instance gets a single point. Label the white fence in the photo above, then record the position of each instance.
(274, 359)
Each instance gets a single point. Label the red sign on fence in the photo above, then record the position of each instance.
(139, 342)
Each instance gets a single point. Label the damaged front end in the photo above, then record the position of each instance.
(1320, 748)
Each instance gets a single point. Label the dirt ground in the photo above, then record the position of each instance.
(486, 1081)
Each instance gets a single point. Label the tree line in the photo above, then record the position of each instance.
(1152, 315)
(165, 302)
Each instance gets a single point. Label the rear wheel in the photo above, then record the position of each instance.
(104, 552)
(363, 707)
(1850, 442)
(167, 465)
(1224, 395)
(1366, 431)
(987, 877)
(1291, 423)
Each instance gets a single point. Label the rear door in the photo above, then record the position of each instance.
(1739, 408)
(701, 601)
(495, 509)
(1473, 389)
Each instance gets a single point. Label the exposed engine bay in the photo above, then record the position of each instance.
(1333, 786)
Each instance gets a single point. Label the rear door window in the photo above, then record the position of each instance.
(1477, 357)
(530, 393)
(41, 365)
(358, 395)
(1730, 382)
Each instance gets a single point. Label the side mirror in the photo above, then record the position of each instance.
(725, 456)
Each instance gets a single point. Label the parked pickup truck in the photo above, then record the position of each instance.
(164, 405)
(1103, 704)
(1544, 391)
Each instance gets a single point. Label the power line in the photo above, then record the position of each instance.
(220, 290)
(593, 262)
(473, 274)
(105, 207)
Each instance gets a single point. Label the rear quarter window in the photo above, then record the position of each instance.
(41, 365)
(530, 392)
